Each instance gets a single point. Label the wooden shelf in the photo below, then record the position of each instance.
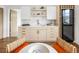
(37, 12)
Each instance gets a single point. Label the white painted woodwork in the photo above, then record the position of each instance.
(40, 34)
(13, 23)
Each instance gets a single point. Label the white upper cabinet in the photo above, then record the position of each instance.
(51, 12)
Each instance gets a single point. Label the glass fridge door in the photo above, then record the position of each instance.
(66, 16)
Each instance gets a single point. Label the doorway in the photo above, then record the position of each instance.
(13, 23)
(1, 23)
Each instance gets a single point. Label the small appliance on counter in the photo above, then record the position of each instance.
(25, 24)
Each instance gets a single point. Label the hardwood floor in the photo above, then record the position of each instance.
(4, 42)
(75, 44)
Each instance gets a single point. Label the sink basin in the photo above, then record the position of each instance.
(37, 48)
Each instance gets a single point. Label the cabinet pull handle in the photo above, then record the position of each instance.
(38, 32)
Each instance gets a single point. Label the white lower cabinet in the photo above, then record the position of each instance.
(33, 35)
(52, 34)
(40, 34)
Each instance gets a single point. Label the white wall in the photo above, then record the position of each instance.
(77, 24)
(5, 21)
(6, 14)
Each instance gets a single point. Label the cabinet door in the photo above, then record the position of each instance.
(42, 35)
(23, 32)
(33, 35)
(52, 34)
(13, 23)
(51, 12)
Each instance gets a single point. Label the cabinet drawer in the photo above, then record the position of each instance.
(52, 36)
(23, 33)
(52, 30)
(51, 39)
(52, 33)
(24, 30)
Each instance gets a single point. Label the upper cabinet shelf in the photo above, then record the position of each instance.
(41, 8)
(39, 11)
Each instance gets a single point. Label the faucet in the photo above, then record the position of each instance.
(38, 22)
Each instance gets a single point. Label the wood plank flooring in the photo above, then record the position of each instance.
(4, 42)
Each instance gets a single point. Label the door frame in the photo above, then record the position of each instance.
(2, 23)
(10, 23)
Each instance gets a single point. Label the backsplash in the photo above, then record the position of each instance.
(38, 22)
